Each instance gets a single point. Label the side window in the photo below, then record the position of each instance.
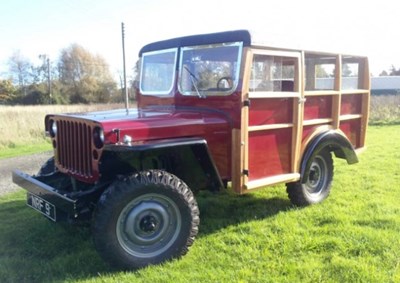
(273, 73)
(157, 72)
(351, 79)
(320, 72)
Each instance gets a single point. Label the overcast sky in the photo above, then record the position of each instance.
(46, 26)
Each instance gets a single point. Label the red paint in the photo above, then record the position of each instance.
(270, 153)
(270, 111)
(352, 130)
(318, 107)
(351, 104)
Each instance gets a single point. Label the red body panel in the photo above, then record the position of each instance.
(270, 111)
(270, 150)
(352, 130)
(351, 104)
(270, 153)
(318, 107)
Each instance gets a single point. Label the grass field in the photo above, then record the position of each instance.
(354, 236)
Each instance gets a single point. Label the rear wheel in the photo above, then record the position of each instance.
(144, 219)
(318, 184)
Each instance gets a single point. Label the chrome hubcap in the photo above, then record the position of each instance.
(148, 225)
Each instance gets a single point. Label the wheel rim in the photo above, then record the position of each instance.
(317, 179)
(148, 225)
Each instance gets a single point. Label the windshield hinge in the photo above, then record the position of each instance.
(246, 103)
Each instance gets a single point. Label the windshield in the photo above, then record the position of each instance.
(158, 72)
(210, 69)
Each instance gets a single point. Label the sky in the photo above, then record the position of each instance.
(37, 27)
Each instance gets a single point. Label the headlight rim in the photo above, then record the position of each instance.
(98, 137)
(53, 128)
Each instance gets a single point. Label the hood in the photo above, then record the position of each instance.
(156, 123)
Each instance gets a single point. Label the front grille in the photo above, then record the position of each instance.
(75, 153)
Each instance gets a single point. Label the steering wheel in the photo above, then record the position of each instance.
(225, 83)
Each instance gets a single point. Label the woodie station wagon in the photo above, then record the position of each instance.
(213, 111)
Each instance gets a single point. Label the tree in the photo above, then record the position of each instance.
(7, 91)
(85, 77)
(383, 73)
(20, 69)
(394, 71)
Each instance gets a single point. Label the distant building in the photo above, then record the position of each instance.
(385, 85)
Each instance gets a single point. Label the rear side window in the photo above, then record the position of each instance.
(320, 72)
(273, 73)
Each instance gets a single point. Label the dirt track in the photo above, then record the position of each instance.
(28, 164)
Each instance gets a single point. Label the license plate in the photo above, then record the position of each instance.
(41, 205)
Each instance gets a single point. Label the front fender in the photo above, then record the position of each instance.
(330, 140)
(187, 158)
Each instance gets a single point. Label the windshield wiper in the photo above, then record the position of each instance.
(194, 81)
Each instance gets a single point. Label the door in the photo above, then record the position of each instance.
(271, 124)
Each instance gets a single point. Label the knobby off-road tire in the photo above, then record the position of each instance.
(143, 219)
(318, 184)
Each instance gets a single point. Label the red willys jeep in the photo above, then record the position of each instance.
(214, 110)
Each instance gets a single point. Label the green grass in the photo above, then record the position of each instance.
(20, 149)
(353, 236)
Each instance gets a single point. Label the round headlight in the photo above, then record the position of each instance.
(98, 137)
(53, 128)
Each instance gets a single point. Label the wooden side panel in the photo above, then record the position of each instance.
(270, 153)
(270, 111)
(352, 128)
(351, 104)
(318, 107)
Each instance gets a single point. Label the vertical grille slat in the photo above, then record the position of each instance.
(74, 149)
(75, 146)
(80, 149)
(88, 152)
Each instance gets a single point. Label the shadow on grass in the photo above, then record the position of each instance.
(221, 210)
(34, 249)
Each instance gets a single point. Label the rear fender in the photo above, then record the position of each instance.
(188, 158)
(332, 141)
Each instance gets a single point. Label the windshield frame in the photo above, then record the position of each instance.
(198, 91)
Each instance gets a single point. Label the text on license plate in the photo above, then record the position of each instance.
(41, 205)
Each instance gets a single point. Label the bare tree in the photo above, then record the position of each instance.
(20, 69)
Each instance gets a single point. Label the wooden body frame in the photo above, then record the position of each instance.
(346, 113)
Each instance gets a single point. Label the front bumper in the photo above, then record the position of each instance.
(63, 204)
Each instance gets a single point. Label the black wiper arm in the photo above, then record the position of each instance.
(194, 81)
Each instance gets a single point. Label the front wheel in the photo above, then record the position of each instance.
(317, 186)
(144, 219)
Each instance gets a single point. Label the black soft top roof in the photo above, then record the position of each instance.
(200, 39)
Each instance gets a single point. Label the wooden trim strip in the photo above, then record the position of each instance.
(350, 117)
(317, 121)
(263, 51)
(355, 91)
(321, 92)
(284, 178)
(272, 94)
(269, 127)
